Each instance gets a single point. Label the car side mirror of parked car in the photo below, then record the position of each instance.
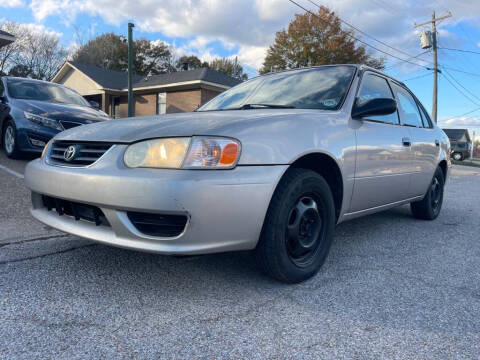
(3, 99)
(95, 105)
(373, 107)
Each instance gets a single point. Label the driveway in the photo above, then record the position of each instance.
(393, 287)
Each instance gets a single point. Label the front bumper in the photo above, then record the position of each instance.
(225, 208)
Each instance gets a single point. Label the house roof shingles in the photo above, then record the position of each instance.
(204, 74)
(112, 79)
(5, 38)
(109, 79)
(456, 134)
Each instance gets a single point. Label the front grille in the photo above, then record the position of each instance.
(84, 154)
(69, 124)
(160, 225)
(76, 210)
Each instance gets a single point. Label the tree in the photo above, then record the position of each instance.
(35, 54)
(110, 51)
(316, 40)
(228, 66)
(192, 61)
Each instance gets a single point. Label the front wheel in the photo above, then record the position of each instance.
(10, 140)
(298, 229)
(430, 206)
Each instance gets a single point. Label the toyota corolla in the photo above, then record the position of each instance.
(271, 165)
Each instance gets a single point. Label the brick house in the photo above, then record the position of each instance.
(181, 91)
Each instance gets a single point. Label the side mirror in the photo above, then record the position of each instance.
(373, 107)
(95, 105)
(3, 99)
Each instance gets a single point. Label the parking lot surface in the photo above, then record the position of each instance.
(393, 287)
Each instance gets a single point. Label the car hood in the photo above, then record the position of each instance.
(219, 123)
(76, 113)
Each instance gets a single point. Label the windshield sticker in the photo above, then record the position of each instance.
(330, 102)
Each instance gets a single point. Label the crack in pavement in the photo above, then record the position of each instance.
(45, 237)
(48, 254)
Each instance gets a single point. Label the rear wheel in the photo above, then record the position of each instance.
(457, 156)
(9, 140)
(298, 229)
(430, 206)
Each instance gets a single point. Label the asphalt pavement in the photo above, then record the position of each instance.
(393, 287)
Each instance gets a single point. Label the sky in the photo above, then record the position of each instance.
(245, 28)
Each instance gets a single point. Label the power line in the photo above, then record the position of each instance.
(467, 113)
(460, 91)
(361, 41)
(463, 87)
(413, 57)
(418, 77)
(364, 33)
(461, 50)
(460, 71)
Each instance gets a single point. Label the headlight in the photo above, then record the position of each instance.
(45, 148)
(43, 121)
(188, 153)
(212, 153)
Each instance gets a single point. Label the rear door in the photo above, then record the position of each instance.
(384, 157)
(425, 144)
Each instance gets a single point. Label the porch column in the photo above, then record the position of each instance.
(106, 103)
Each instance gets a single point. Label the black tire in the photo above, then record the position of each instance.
(10, 149)
(457, 156)
(430, 206)
(303, 203)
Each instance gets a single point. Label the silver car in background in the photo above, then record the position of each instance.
(271, 165)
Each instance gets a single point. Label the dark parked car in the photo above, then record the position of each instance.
(34, 111)
(460, 142)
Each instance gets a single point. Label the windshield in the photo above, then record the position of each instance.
(315, 88)
(30, 90)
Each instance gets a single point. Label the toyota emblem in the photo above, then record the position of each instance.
(69, 154)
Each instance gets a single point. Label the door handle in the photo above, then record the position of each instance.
(406, 141)
(437, 143)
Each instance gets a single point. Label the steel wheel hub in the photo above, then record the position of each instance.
(303, 229)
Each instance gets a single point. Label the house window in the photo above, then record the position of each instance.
(162, 103)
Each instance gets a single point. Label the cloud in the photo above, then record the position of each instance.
(250, 25)
(11, 3)
(463, 122)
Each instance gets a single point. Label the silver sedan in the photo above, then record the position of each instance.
(271, 165)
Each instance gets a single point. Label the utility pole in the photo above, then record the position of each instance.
(433, 22)
(130, 69)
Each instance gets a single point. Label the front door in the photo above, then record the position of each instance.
(384, 157)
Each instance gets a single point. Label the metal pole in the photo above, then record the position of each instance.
(435, 68)
(473, 146)
(130, 69)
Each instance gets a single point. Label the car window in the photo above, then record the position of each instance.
(407, 107)
(2, 89)
(321, 88)
(43, 91)
(427, 122)
(374, 87)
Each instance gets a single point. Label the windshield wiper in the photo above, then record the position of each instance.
(253, 106)
(270, 106)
